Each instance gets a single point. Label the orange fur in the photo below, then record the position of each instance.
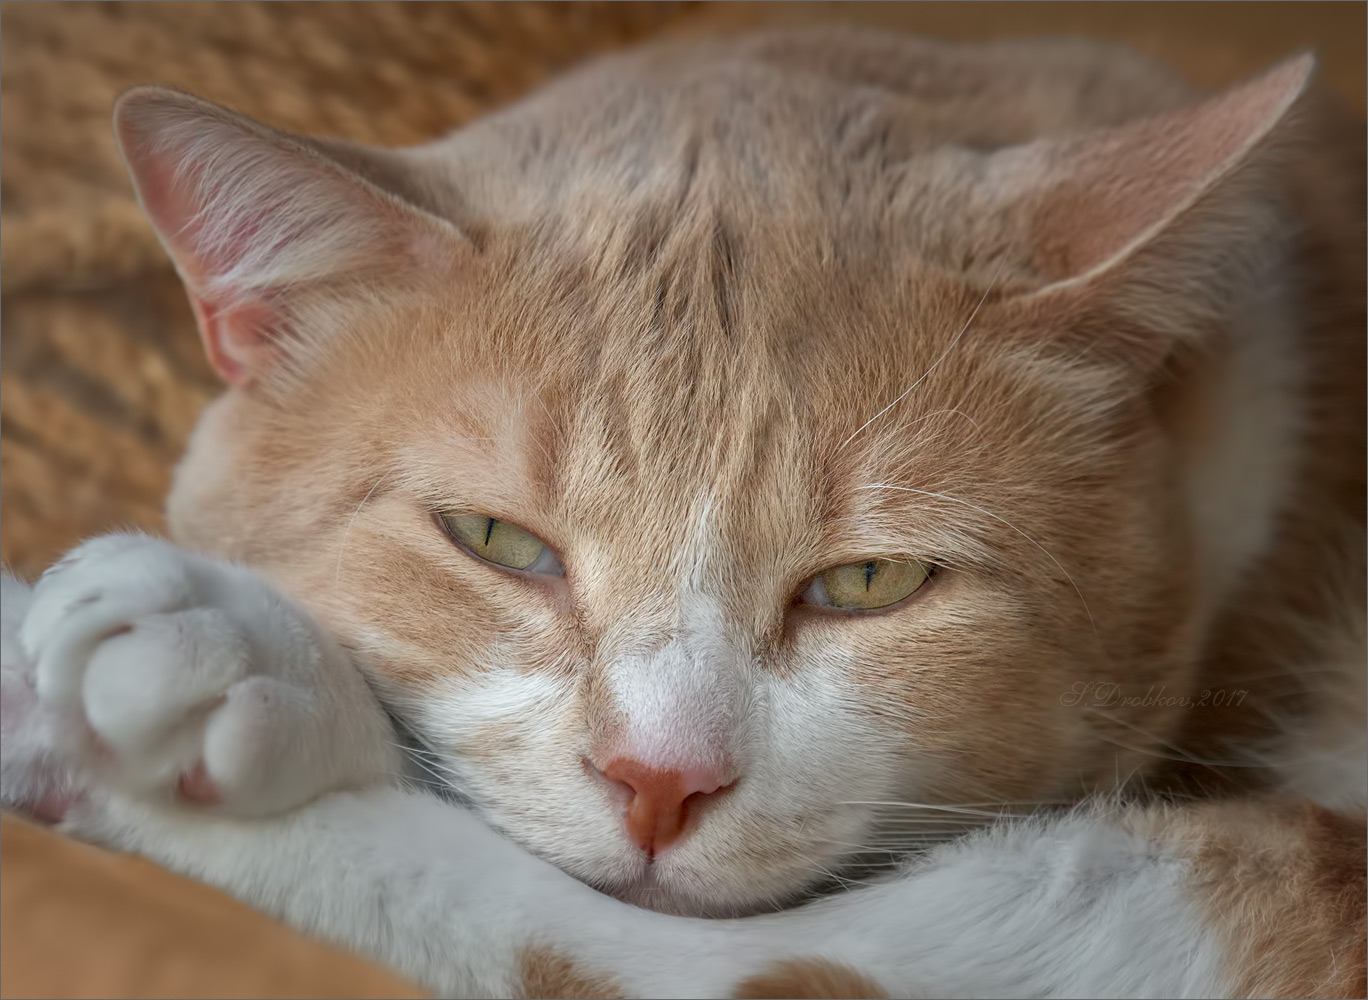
(806, 977)
(544, 973)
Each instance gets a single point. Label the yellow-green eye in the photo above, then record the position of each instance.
(864, 586)
(501, 543)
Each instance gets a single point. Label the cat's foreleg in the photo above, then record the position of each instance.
(429, 890)
(1216, 900)
(1259, 897)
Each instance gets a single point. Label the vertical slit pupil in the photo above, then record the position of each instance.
(870, 569)
(489, 530)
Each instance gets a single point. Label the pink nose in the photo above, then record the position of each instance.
(661, 800)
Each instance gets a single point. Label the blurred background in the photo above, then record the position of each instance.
(100, 371)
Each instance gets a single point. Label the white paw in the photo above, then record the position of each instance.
(34, 777)
(169, 672)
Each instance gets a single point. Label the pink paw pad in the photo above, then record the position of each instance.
(52, 808)
(197, 786)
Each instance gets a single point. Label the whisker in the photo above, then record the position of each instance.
(440, 778)
(989, 809)
(845, 883)
(954, 341)
(1116, 720)
(1185, 758)
(862, 848)
(423, 752)
(911, 816)
(346, 532)
(447, 778)
(410, 780)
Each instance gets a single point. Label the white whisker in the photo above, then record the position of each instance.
(346, 532)
(1183, 757)
(991, 809)
(955, 340)
(861, 848)
(845, 883)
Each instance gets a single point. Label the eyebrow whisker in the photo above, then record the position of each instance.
(953, 342)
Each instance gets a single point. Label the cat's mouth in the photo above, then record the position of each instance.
(685, 879)
(669, 884)
(650, 892)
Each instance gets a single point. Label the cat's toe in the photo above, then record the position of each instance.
(152, 691)
(96, 592)
(128, 663)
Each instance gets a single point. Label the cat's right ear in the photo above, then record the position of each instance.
(259, 222)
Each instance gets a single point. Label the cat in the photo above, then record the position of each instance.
(902, 501)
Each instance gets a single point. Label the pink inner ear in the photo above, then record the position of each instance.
(255, 220)
(190, 164)
(234, 338)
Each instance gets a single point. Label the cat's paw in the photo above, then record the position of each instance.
(173, 675)
(34, 778)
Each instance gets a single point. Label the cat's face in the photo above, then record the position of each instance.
(692, 476)
(821, 525)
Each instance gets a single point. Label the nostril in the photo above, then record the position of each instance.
(698, 797)
(698, 802)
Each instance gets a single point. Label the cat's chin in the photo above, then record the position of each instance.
(651, 890)
(662, 899)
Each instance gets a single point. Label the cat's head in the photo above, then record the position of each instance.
(701, 480)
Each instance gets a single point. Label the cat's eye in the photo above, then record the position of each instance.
(865, 586)
(501, 543)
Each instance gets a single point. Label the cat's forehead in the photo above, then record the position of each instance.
(703, 377)
(735, 151)
(705, 331)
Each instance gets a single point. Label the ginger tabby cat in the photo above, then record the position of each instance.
(902, 501)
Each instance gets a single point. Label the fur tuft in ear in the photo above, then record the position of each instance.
(255, 220)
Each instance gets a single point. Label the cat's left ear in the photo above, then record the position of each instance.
(268, 230)
(1156, 220)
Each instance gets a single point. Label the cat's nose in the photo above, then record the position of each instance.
(661, 801)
